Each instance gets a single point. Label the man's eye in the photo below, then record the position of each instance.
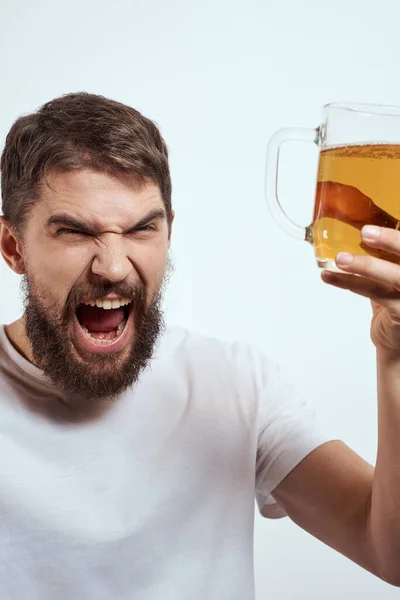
(65, 230)
(74, 231)
(150, 227)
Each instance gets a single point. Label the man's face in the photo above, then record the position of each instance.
(95, 255)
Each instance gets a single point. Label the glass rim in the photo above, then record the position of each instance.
(366, 108)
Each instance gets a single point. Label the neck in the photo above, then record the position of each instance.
(16, 333)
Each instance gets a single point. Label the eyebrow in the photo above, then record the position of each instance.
(68, 221)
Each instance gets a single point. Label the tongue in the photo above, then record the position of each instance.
(100, 319)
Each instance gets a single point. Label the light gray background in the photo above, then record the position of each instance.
(219, 76)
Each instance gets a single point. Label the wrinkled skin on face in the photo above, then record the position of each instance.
(90, 236)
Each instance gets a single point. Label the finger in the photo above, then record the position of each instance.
(381, 271)
(383, 238)
(381, 294)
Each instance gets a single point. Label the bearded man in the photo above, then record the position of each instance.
(131, 453)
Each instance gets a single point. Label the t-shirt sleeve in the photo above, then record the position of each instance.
(288, 430)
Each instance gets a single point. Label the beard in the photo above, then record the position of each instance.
(81, 375)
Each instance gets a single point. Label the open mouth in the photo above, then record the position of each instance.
(102, 323)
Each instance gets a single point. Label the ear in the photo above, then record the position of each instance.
(11, 248)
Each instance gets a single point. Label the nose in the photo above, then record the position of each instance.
(111, 261)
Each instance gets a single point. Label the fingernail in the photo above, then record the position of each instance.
(370, 232)
(344, 258)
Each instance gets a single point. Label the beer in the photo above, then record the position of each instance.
(357, 186)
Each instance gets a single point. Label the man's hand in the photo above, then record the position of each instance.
(333, 493)
(378, 280)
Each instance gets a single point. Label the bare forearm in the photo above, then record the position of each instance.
(385, 501)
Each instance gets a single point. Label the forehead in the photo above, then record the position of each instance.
(97, 197)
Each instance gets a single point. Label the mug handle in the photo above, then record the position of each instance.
(294, 134)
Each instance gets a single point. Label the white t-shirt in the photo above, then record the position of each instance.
(154, 500)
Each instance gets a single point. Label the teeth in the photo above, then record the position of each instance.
(100, 339)
(121, 327)
(108, 304)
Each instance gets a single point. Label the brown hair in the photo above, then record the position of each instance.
(76, 131)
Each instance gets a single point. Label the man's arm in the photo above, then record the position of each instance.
(329, 495)
(340, 499)
(333, 493)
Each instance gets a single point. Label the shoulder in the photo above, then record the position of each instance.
(239, 361)
(189, 343)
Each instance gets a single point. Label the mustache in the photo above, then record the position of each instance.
(82, 292)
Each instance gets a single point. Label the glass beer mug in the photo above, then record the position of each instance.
(358, 180)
